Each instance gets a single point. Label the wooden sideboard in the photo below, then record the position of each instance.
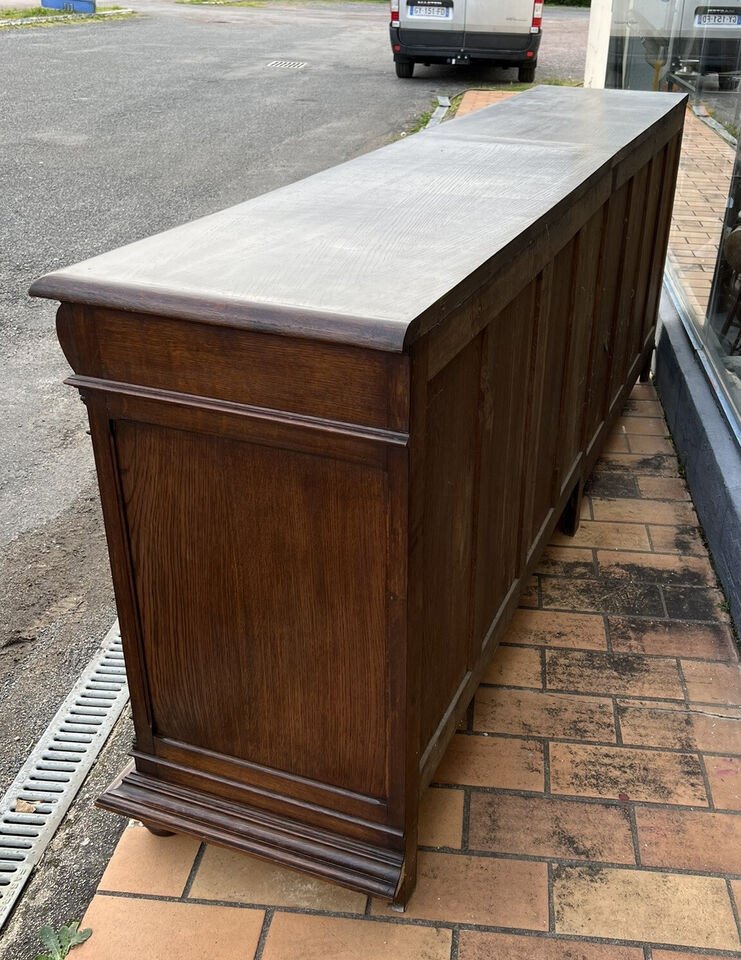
(334, 427)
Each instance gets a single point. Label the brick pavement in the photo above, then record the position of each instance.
(705, 168)
(589, 809)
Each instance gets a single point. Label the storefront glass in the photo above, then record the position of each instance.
(680, 45)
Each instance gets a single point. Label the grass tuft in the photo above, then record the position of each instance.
(266, 3)
(19, 13)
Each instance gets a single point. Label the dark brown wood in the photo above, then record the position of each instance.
(158, 832)
(332, 440)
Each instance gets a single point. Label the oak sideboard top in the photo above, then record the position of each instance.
(371, 252)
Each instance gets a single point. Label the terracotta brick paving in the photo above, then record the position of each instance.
(705, 169)
(588, 809)
(476, 99)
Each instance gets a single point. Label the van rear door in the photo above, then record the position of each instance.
(432, 23)
(502, 17)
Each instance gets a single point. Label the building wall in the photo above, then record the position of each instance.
(706, 448)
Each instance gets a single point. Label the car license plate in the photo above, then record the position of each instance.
(717, 20)
(438, 13)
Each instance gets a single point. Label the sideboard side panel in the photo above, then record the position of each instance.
(263, 601)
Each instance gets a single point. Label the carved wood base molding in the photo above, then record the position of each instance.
(167, 807)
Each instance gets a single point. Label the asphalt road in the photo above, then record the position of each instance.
(110, 132)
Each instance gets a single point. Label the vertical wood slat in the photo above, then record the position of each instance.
(611, 260)
(452, 440)
(576, 384)
(652, 202)
(626, 293)
(502, 458)
(669, 180)
(534, 426)
(552, 373)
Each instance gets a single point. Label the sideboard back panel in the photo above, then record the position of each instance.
(518, 405)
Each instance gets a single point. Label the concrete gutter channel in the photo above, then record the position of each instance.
(37, 818)
(41, 794)
(65, 881)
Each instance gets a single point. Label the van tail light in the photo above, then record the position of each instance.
(537, 16)
(394, 11)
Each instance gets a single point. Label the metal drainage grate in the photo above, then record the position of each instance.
(49, 780)
(288, 64)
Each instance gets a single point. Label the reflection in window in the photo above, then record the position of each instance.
(723, 327)
(696, 47)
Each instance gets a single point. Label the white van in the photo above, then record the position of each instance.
(505, 33)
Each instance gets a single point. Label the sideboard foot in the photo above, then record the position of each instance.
(407, 882)
(569, 522)
(158, 831)
(645, 373)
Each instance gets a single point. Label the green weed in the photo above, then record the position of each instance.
(57, 18)
(263, 3)
(14, 13)
(59, 943)
(19, 13)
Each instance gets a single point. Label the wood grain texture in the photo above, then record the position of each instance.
(328, 258)
(316, 546)
(329, 855)
(227, 587)
(328, 381)
(504, 404)
(535, 386)
(451, 446)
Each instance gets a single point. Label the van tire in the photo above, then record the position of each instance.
(526, 74)
(404, 69)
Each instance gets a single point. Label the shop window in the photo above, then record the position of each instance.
(696, 47)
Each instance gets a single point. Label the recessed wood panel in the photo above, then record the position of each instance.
(611, 258)
(508, 347)
(576, 374)
(649, 241)
(452, 449)
(554, 332)
(261, 585)
(627, 270)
